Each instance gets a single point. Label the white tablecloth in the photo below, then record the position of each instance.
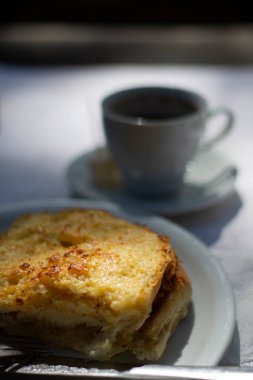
(48, 117)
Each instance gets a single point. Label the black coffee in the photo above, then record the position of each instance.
(155, 106)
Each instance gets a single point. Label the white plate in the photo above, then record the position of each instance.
(202, 338)
(208, 181)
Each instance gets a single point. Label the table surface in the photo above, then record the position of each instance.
(50, 116)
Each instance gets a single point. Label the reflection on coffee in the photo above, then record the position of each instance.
(154, 107)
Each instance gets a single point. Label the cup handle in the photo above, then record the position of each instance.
(226, 128)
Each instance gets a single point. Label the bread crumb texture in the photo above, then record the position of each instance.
(80, 267)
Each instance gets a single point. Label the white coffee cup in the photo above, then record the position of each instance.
(153, 132)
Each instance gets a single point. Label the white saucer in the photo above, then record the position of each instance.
(209, 179)
(203, 337)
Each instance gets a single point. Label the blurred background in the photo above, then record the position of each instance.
(126, 31)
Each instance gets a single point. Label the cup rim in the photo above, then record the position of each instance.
(109, 99)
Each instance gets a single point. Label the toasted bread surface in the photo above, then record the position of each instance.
(170, 307)
(83, 278)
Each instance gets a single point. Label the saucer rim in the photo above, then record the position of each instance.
(84, 188)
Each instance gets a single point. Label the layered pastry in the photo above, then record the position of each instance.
(91, 281)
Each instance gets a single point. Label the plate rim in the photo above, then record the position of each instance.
(59, 203)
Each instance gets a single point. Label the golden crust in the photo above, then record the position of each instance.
(169, 308)
(83, 273)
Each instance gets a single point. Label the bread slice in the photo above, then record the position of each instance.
(88, 280)
(169, 308)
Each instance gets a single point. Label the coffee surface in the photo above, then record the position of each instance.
(155, 107)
